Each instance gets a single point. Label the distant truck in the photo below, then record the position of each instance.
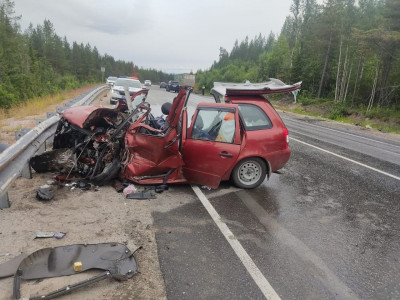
(185, 80)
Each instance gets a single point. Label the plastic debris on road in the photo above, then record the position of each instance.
(129, 189)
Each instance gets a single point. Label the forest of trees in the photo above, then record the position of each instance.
(38, 62)
(343, 50)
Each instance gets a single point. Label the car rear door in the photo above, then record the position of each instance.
(211, 144)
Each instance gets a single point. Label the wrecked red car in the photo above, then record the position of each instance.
(240, 137)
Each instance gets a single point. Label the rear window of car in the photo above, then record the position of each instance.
(253, 117)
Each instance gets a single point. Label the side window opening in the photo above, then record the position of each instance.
(253, 117)
(214, 125)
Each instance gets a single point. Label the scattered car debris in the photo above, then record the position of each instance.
(61, 179)
(141, 195)
(115, 259)
(60, 235)
(46, 234)
(204, 187)
(129, 190)
(8, 268)
(83, 185)
(51, 182)
(44, 193)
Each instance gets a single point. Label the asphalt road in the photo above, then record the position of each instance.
(326, 227)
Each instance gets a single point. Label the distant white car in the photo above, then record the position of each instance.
(147, 82)
(111, 80)
(118, 89)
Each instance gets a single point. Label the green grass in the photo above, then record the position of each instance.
(37, 106)
(383, 119)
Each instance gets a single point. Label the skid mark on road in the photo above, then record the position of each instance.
(324, 274)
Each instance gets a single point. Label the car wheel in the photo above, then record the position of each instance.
(109, 172)
(249, 173)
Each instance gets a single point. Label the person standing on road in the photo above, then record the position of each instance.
(203, 88)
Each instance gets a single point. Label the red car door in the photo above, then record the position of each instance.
(212, 143)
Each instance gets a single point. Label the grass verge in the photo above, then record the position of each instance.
(37, 106)
(382, 119)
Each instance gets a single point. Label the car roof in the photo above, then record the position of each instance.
(272, 86)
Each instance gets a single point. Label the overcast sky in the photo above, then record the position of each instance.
(174, 36)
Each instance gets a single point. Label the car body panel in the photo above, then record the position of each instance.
(82, 116)
(273, 86)
(206, 161)
(151, 152)
(269, 144)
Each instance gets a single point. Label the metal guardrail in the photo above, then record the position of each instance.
(16, 157)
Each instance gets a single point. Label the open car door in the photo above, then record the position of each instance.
(212, 143)
(154, 152)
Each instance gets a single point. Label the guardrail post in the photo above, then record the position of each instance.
(4, 201)
(42, 148)
(50, 114)
(49, 142)
(26, 171)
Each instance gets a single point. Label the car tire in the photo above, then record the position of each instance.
(109, 172)
(249, 173)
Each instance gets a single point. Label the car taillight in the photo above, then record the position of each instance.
(286, 134)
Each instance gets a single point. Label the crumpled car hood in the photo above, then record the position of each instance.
(82, 115)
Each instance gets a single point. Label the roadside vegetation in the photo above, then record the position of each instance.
(345, 52)
(39, 63)
(379, 118)
(24, 115)
(40, 105)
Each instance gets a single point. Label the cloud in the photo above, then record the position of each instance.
(174, 34)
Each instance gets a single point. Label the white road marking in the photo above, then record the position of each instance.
(343, 132)
(246, 260)
(348, 159)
